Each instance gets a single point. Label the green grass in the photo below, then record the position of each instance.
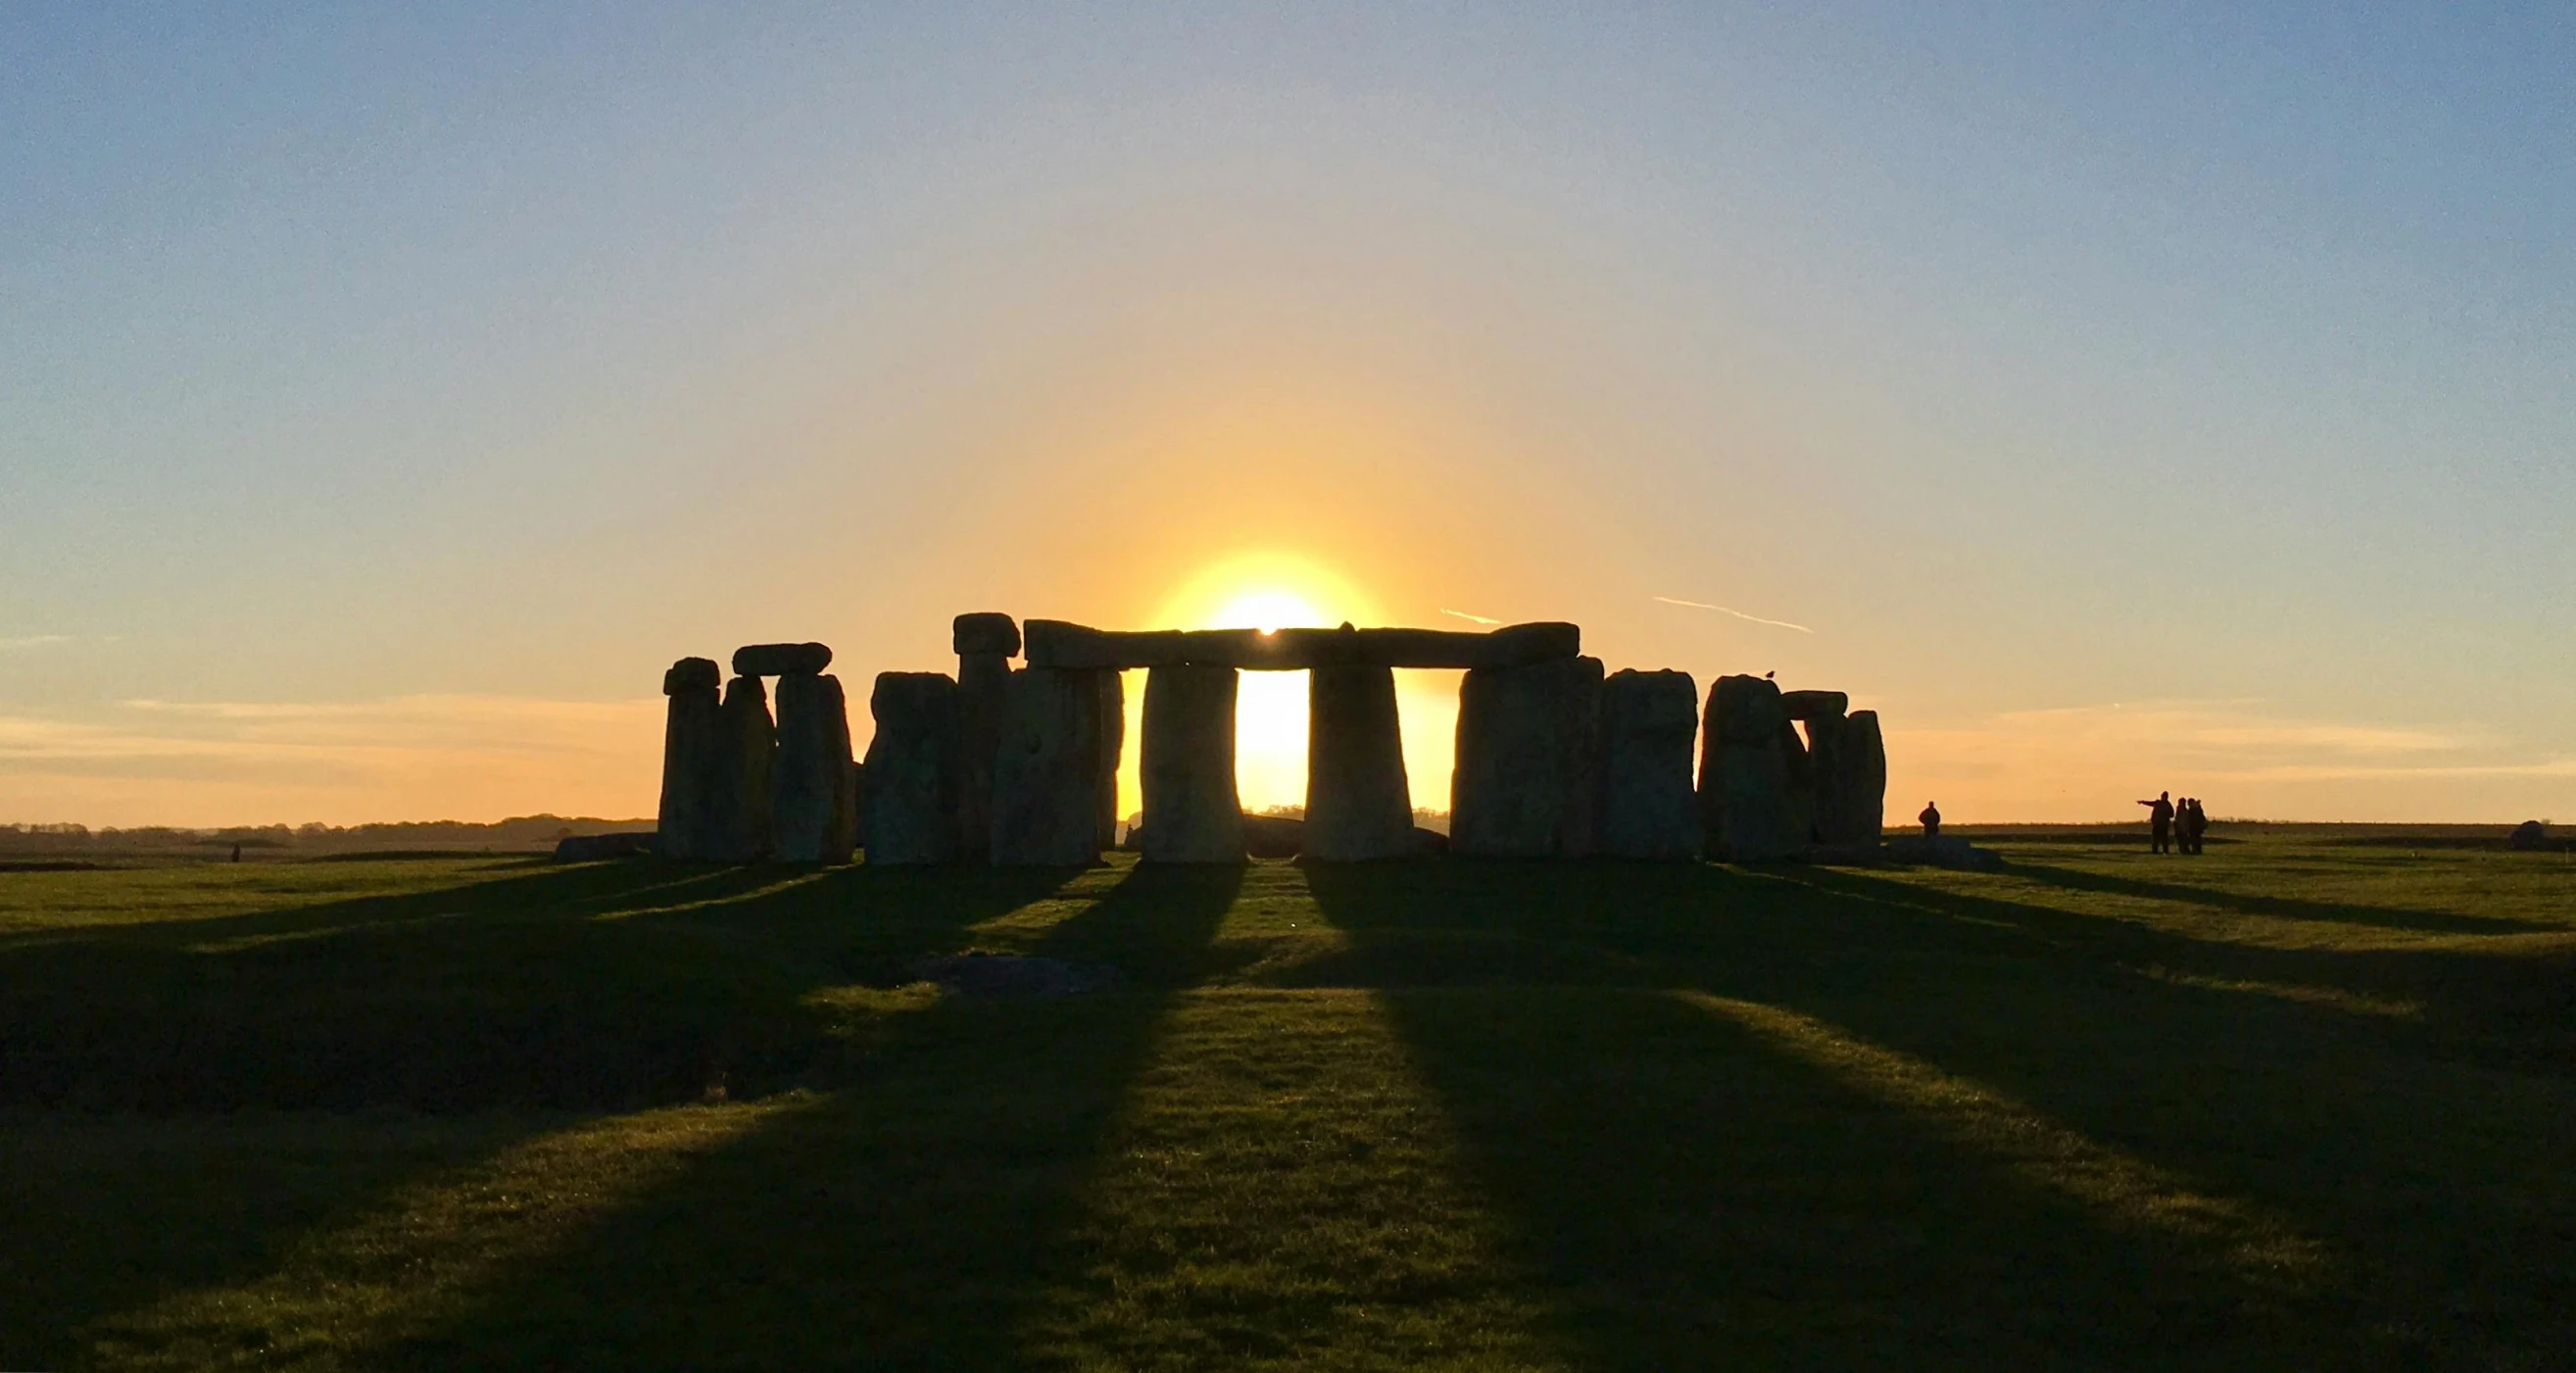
(2294, 1103)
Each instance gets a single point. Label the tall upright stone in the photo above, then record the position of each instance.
(813, 810)
(1358, 803)
(1649, 722)
(1046, 772)
(1851, 777)
(984, 642)
(1528, 741)
(912, 770)
(1798, 800)
(690, 734)
(1113, 742)
(1744, 773)
(742, 829)
(1192, 812)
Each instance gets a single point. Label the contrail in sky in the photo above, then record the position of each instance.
(1727, 610)
(1479, 619)
(35, 640)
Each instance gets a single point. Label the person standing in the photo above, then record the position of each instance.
(2160, 818)
(2195, 823)
(1931, 818)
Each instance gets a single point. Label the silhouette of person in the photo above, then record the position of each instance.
(2160, 818)
(236, 853)
(1931, 818)
(2195, 823)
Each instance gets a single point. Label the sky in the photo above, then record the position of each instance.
(2117, 398)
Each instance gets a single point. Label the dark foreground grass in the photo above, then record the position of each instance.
(2289, 1104)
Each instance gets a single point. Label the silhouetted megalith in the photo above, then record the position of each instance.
(1192, 812)
(1649, 722)
(1046, 773)
(1528, 739)
(984, 631)
(746, 754)
(1810, 705)
(691, 757)
(1798, 800)
(1744, 774)
(1056, 643)
(813, 809)
(781, 660)
(1113, 741)
(1358, 805)
(983, 684)
(912, 770)
(1851, 777)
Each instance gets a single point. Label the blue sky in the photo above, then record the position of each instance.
(2125, 398)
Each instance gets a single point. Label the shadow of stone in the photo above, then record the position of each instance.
(2380, 917)
(907, 1219)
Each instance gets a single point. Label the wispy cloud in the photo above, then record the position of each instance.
(1476, 619)
(1730, 610)
(33, 641)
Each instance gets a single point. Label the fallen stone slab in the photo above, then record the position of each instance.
(1948, 851)
(591, 848)
(780, 660)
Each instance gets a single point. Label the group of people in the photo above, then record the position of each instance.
(2176, 826)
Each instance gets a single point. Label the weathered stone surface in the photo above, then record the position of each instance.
(983, 686)
(812, 808)
(1744, 773)
(1528, 741)
(740, 829)
(1948, 851)
(1358, 806)
(1192, 813)
(1055, 643)
(692, 752)
(912, 770)
(1113, 741)
(780, 660)
(985, 631)
(1649, 722)
(1046, 774)
(1850, 767)
(692, 674)
(1275, 836)
(1810, 705)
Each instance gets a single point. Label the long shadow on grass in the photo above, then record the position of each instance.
(2285, 907)
(613, 986)
(906, 1219)
(1667, 1168)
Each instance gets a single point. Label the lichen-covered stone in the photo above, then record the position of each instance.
(1358, 804)
(912, 770)
(1528, 741)
(1649, 722)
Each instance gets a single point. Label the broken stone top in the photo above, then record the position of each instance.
(1056, 643)
(692, 674)
(986, 631)
(781, 660)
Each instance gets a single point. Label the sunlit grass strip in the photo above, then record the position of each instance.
(2332, 998)
(2119, 1189)
(402, 1266)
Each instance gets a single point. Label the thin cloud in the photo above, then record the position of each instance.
(1729, 610)
(1476, 619)
(34, 640)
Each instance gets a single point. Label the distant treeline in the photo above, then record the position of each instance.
(529, 833)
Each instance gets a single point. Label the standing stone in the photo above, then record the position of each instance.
(690, 731)
(1744, 774)
(812, 805)
(1528, 740)
(1851, 779)
(983, 686)
(1649, 721)
(1113, 741)
(746, 754)
(1798, 801)
(912, 770)
(1192, 812)
(1046, 794)
(1358, 805)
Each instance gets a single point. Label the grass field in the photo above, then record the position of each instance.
(2299, 1102)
